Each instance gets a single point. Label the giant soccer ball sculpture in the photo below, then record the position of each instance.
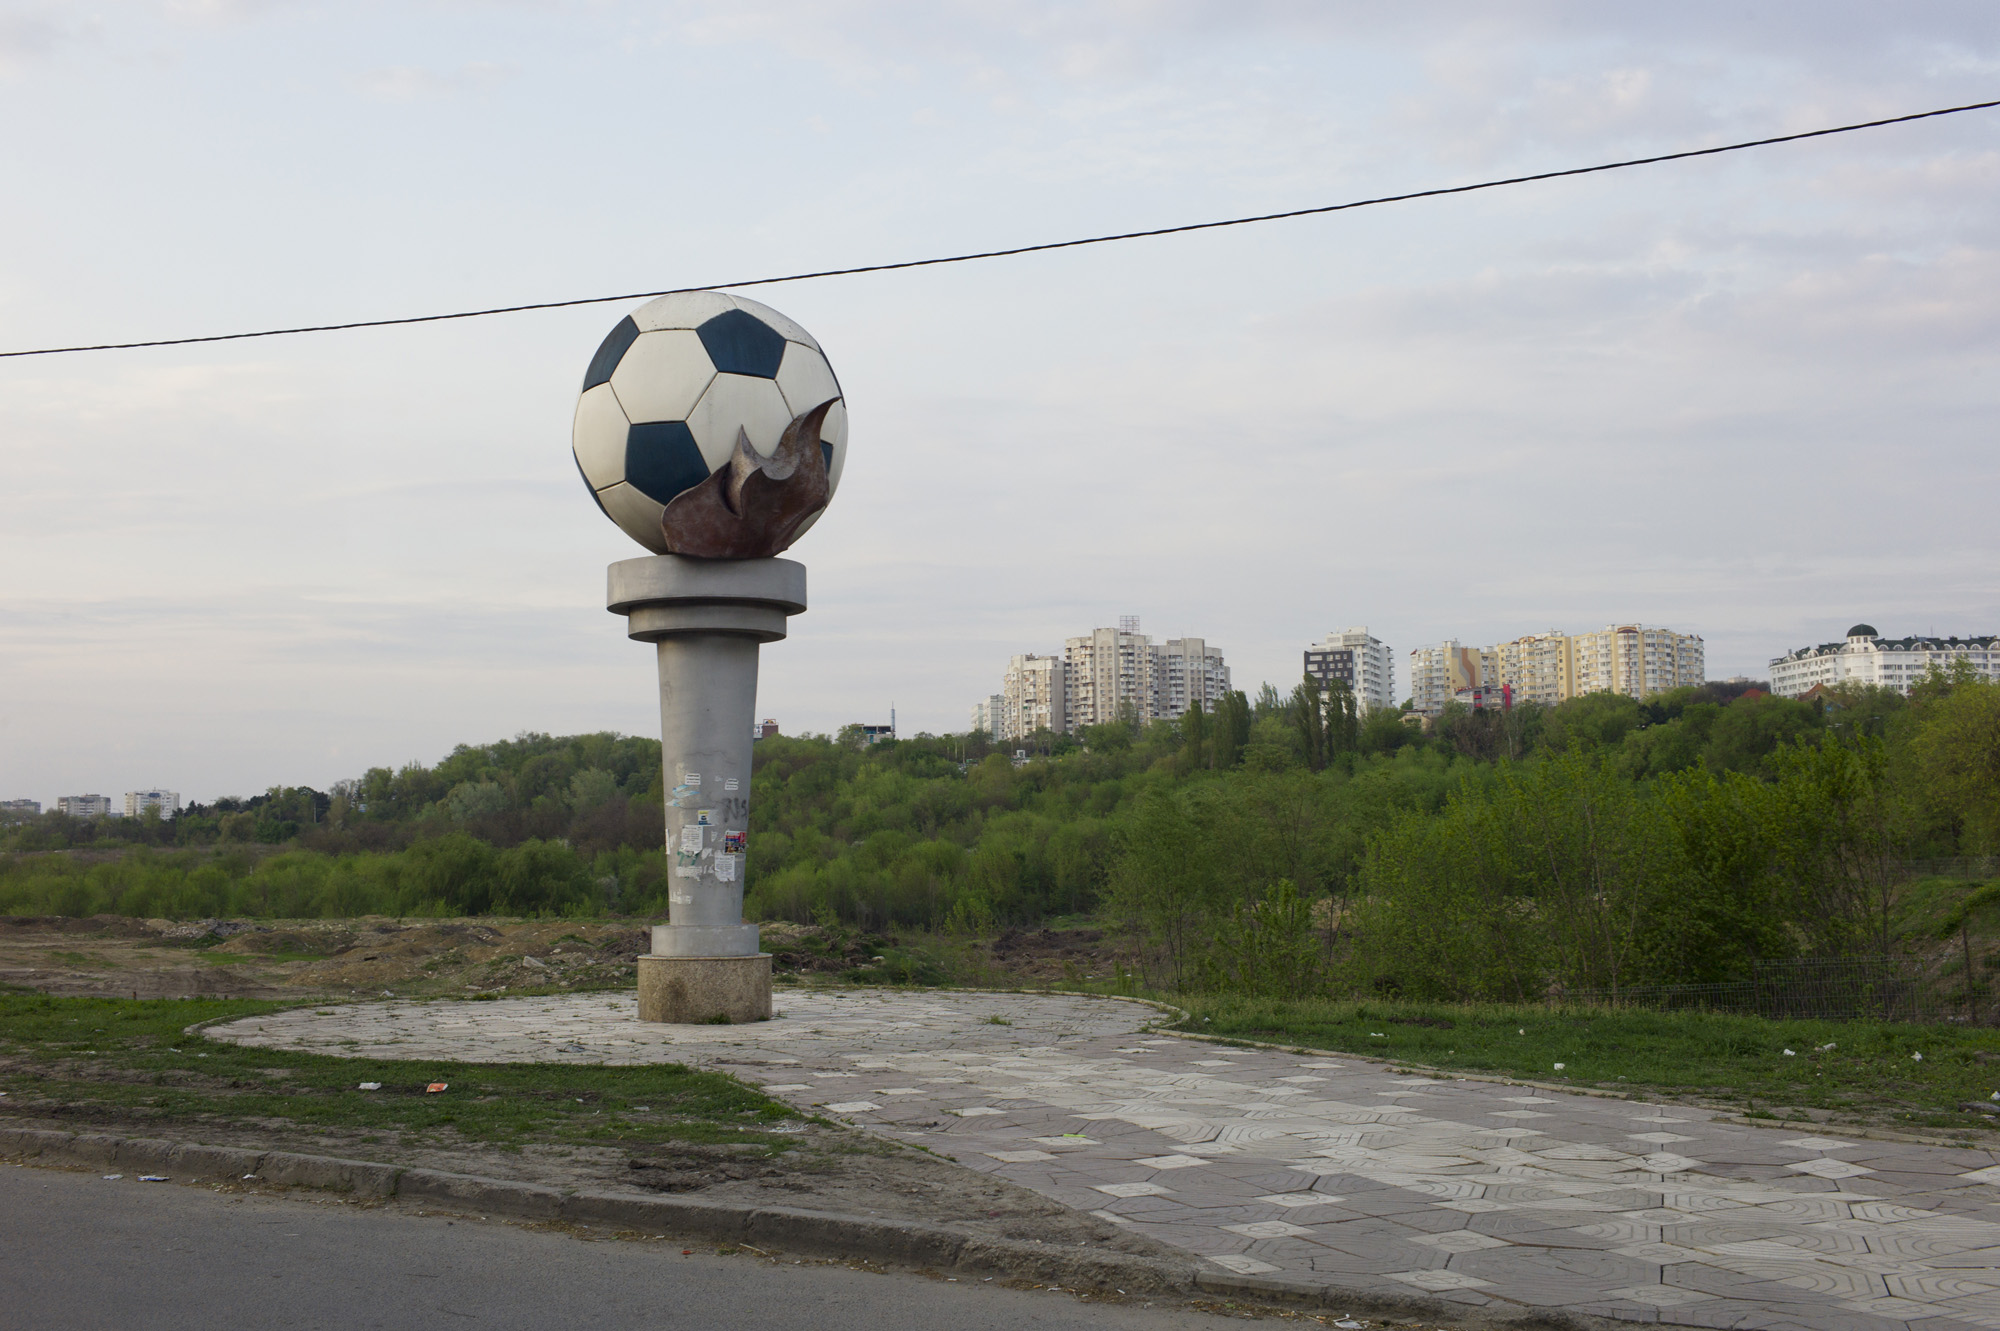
(712, 431)
(696, 386)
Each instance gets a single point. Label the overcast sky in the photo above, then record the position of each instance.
(1750, 397)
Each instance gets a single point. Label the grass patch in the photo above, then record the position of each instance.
(1856, 1070)
(108, 1058)
(83, 959)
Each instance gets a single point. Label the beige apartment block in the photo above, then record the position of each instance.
(1439, 672)
(84, 806)
(1635, 661)
(1107, 670)
(1631, 659)
(1187, 671)
(1537, 668)
(1033, 696)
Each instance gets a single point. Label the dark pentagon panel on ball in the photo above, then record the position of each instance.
(741, 343)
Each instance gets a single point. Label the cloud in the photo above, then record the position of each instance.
(218, 12)
(29, 36)
(409, 83)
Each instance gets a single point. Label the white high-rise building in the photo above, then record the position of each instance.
(1364, 663)
(12, 809)
(1032, 696)
(1100, 677)
(168, 802)
(1866, 657)
(1121, 670)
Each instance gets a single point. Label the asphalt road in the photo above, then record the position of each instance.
(77, 1250)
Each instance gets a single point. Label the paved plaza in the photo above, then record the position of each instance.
(1332, 1169)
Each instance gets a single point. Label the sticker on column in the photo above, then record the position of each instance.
(681, 898)
(725, 869)
(732, 843)
(729, 783)
(687, 871)
(692, 780)
(691, 838)
(679, 794)
(704, 817)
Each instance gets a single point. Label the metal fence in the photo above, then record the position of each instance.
(1833, 989)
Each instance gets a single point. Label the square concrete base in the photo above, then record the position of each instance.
(692, 990)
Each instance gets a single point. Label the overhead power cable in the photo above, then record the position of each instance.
(1439, 192)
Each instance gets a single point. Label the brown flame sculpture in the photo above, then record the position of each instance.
(753, 508)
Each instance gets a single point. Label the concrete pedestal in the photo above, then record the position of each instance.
(707, 619)
(705, 989)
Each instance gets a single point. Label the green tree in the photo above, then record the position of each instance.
(1839, 827)
(1170, 874)
(1749, 733)
(1957, 753)
(1194, 739)
(1591, 721)
(1266, 948)
(1307, 710)
(1231, 727)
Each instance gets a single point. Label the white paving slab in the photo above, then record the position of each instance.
(1346, 1172)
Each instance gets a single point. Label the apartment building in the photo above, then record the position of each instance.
(168, 802)
(16, 809)
(1101, 676)
(1439, 673)
(1631, 659)
(1553, 667)
(1187, 671)
(1359, 660)
(1538, 668)
(1866, 657)
(84, 806)
(1033, 696)
(1635, 660)
(1109, 671)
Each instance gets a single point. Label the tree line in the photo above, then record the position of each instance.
(1286, 843)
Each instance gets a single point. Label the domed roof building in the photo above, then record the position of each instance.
(1867, 658)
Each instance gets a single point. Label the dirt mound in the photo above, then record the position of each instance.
(116, 956)
(1054, 954)
(114, 926)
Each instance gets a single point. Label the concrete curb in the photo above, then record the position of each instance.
(819, 1233)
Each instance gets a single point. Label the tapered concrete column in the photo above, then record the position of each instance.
(707, 618)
